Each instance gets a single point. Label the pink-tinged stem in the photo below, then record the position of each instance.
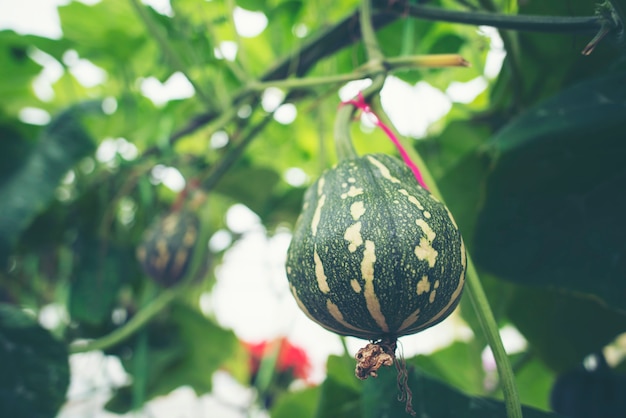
(360, 103)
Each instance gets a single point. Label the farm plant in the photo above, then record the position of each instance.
(504, 213)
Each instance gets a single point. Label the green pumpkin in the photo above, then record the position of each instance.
(167, 247)
(374, 255)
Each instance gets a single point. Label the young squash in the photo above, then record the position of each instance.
(167, 247)
(374, 255)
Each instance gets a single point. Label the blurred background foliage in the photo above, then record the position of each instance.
(532, 167)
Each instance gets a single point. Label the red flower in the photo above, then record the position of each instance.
(290, 358)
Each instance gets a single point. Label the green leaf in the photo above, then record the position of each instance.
(207, 345)
(340, 393)
(338, 400)
(554, 211)
(101, 270)
(115, 43)
(35, 368)
(459, 365)
(27, 192)
(184, 349)
(251, 186)
(563, 329)
(455, 159)
(590, 393)
(534, 380)
(16, 73)
(15, 146)
(430, 399)
(301, 404)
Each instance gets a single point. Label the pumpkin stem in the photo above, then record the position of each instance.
(361, 104)
(373, 356)
(383, 353)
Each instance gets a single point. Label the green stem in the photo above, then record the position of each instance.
(474, 289)
(368, 70)
(551, 24)
(341, 35)
(167, 49)
(343, 139)
(512, 47)
(368, 34)
(140, 370)
(133, 325)
(151, 309)
(490, 328)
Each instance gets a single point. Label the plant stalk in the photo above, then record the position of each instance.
(549, 24)
(474, 289)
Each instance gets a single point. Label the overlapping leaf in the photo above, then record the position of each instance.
(553, 213)
(27, 192)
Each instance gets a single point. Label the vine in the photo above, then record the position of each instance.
(288, 72)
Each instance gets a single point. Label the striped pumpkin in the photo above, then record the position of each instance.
(374, 255)
(167, 247)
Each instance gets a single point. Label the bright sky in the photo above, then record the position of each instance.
(251, 295)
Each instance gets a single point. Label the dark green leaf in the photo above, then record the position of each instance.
(35, 368)
(562, 328)
(459, 365)
(184, 350)
(340, 394)
(301, 404)
(582, 393)
(251, 186)
(16, 72)
(28, 191)
(207, 348)
(100, 271)
(553, 212)
(430, 399)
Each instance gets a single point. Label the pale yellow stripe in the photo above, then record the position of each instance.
(367, 272)
(322, 282)
(318, 214)
(383, 169)
(338, 316)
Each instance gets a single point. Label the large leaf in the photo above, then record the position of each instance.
(561, 328)
(35, 368)
(251, 186)
(593, 392)
(27, 192)
(16, 73)
(184, 350)
(100, 271)
(431, 398)
(299, 404)
(343, 395)
(554, 207)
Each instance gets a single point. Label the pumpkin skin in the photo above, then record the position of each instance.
(374, 255)
(167, 247)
